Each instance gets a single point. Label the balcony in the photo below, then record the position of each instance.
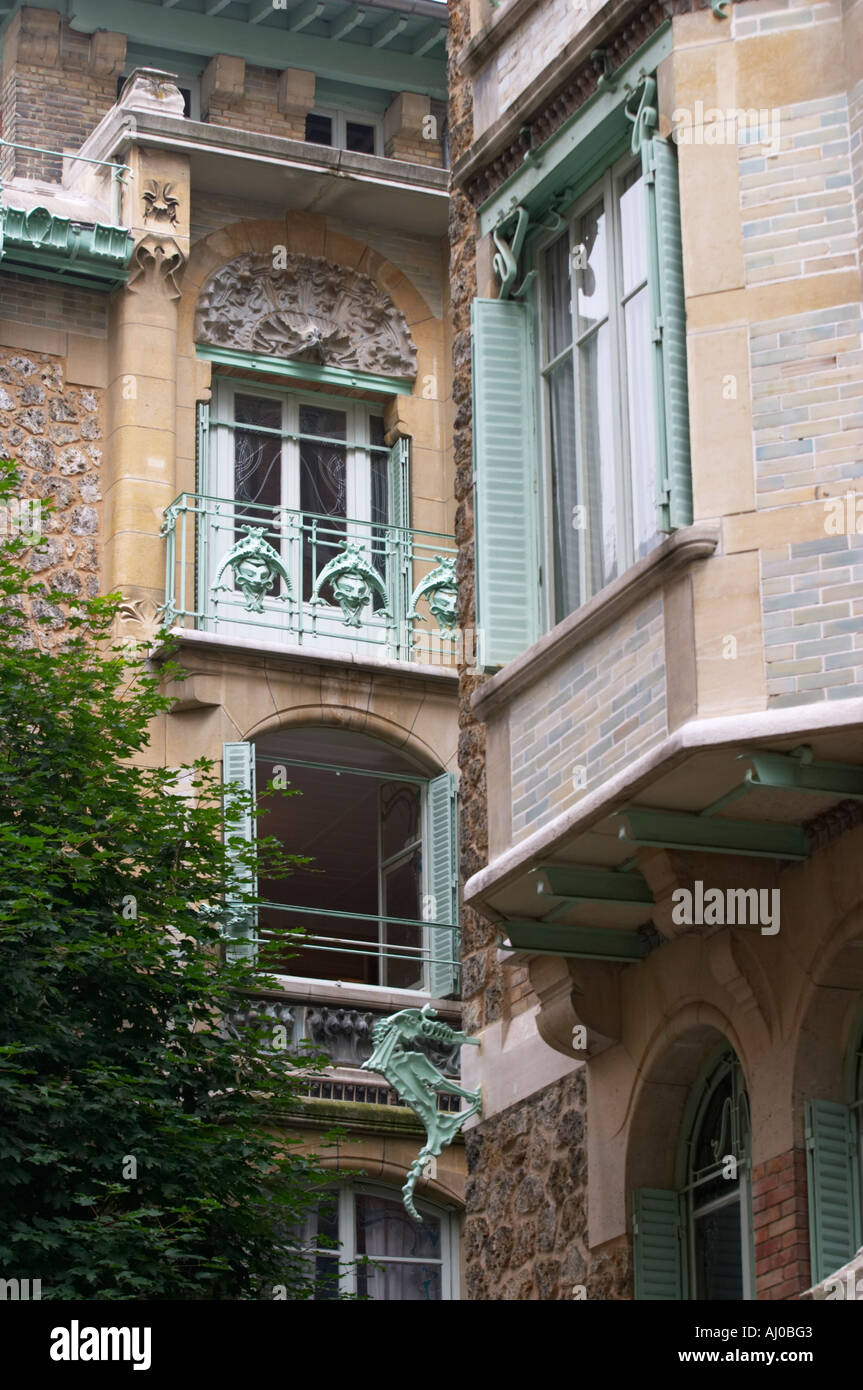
(324, 583)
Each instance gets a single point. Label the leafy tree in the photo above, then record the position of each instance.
(142, 1144)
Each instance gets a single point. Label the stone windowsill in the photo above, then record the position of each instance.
(275, 654)
(682, 549)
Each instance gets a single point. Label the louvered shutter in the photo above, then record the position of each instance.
(657, 1229)
(399, 549)
(505, 453)
(442, 886)
(238, 771)
(833, 1177)
(668, 314)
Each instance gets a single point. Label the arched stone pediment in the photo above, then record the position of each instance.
(307, 309)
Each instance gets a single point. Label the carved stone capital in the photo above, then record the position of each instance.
(157, 264)
(150, 89)
(307, 309)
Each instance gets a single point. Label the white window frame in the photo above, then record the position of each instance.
(346, 1254)
(340, 117)
(741, 1190)
(220, 476)
(607, 187)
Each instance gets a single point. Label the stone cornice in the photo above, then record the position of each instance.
(492, 35)
(682, 549)
(620, 28)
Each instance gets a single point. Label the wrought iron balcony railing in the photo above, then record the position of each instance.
(241, 568)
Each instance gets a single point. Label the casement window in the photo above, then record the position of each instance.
(364, 1243)
(357, 131)
(695, 1241)
(834, 1173)
(581, 422)
(312, 472)
(377, 904)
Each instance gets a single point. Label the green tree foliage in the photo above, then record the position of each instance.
(142, 1144)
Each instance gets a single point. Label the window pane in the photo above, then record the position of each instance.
(592, 278)
(400, 817)
(597, 403)
(568, 528)
(384, 1228)
(400, 1283)
(323, 488)
(360, 138)
(719, 1254)
(257, 457)
(319, 129)
(378, 469)
(642, 438)
(633, 230)
(558, 297)
(401, 887)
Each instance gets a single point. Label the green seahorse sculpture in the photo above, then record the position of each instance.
(417, 1081)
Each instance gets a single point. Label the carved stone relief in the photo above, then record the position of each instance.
(157, 263)
(308, 310)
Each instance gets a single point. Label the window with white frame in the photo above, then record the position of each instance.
(364, 1243)
(718, 1189)
(597, 392)
(360, 131)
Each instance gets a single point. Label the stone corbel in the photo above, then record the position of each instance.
(665, 871)
(157, 265)
(33, 37)
(576, 994)
(223, 82)
(107, 56)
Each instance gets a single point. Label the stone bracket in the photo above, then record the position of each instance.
(574, 994)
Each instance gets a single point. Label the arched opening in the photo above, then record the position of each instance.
(375, 901)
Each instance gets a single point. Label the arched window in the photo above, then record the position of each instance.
(364, 1243)
(377, 901)
(695, 1240)
(718, 1188)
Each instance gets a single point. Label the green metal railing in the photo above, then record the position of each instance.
(244, 569)
(396, 951)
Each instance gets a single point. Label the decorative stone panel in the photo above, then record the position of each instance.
(309, 310)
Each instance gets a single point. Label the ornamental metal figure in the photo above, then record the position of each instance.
(255, 564)
(441, 588)
(352, 577)
(417, 1081)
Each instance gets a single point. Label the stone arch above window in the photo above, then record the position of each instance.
(308, 310)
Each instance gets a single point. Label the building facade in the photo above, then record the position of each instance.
(225, 355)
(657, 375)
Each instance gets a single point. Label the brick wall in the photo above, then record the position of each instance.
(258, 108)
(588, 717)
(781, 1226)
(57, 86)
(48, 304)
(813, 620)
(768, 16)
(797, 205)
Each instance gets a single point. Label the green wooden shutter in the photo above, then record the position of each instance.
(668, 313)
(238, 770)
(442, 885)
(399, 549)
(657, 1230)
(505, 453)
(833, 1176)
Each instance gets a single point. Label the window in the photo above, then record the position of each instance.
(380, 836)
(581, 415)
(360, 132)
(364, 1243)
(717, 1190)
(695, 1241)
(312, 472)
(597, 395)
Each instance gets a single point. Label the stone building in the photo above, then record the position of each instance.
(225, 354)
(655, 240)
